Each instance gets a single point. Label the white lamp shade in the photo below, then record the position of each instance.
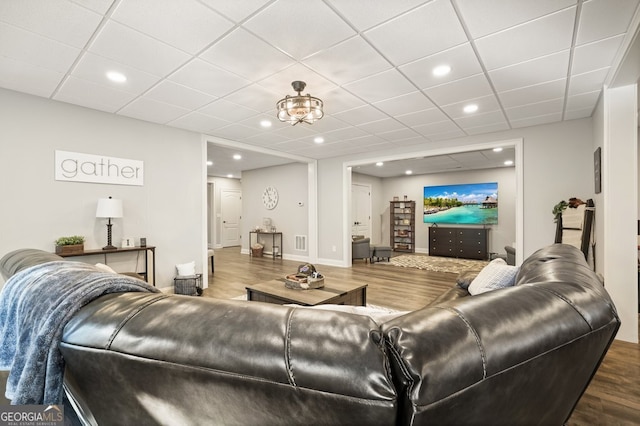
(109, 207)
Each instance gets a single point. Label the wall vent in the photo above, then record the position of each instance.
(301, 242)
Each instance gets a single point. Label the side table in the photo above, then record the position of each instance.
(276, 237)
(146, 251)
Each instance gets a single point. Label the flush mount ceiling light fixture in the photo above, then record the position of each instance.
(299, 108)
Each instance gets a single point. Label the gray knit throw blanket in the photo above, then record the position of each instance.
(35, 305)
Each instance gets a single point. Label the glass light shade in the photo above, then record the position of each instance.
(109, 207)
(299, 108)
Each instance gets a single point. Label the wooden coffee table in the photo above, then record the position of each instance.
(334, 292)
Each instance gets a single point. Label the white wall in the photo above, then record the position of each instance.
(36, 209)
(502, 234)
(619, 191)
(291, 215)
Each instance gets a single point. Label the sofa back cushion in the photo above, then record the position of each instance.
(218, 361)
(18, 260)
(523, 352)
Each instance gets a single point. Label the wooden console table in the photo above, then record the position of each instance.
(146, 251)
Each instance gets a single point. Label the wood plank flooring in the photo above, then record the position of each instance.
(612, 398)
(387, 285)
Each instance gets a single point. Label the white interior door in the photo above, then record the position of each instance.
(361, 210)
(231, 212)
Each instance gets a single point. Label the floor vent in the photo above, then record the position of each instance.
(301, 242)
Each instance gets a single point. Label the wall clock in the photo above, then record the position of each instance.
(270, 197)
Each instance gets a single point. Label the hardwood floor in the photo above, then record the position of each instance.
(387, 285)
(612, 398)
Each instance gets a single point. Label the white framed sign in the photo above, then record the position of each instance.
(79, 167)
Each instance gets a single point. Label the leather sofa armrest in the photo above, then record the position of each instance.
(20, 259)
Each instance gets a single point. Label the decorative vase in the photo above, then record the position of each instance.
(70, 249)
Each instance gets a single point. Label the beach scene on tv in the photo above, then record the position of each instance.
(468, 204)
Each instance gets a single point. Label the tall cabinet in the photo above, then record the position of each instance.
(403, 226)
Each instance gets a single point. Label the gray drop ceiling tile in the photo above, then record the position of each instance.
(361, 115)
(154, 111)
(62, 21)
(540, 37)
(428, 29)
(234, 112)
(198, 122)
(486, 17)
(405, 104)
(535, 71)
(604, 18)
(225, 54)
(348, 61)
(376, 12)
(381, 86)
(236, 10)
(127, 46)
(179, 95)
(204, 77)
(532, 94)
(595, 55)
(462, 60)
(460, 90)
(588, 82)
(31, 48)
(159, 19)
(94, 68)
(28, 78)
(321, 32)
(534, 110)
(91, 95)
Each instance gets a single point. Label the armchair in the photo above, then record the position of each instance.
(361, 249)
(511, 255)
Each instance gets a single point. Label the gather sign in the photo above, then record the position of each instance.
(80, 167)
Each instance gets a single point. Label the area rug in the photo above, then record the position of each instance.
(436, 264)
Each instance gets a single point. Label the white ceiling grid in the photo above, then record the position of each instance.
(219, 66)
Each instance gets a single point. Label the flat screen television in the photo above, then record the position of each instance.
(465, 204)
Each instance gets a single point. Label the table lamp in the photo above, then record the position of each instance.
(109, 208)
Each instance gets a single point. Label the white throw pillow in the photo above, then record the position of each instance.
(497, 274)
(186, 269)
(105, 268)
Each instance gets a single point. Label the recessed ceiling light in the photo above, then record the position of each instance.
(408, 172)
(379, 164)
(470, 108)
(508, 163)
(209, 163)
(116, 77)
(229, 175)
(318, 139)
(237, 156)
(265, 123)
(498, 149)
(441, 70)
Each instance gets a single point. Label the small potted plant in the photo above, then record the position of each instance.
(70, 245)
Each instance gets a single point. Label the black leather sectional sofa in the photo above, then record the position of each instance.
(520, 355)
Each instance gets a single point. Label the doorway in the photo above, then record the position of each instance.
(361, 210)
(516, 144)
(231, 214)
